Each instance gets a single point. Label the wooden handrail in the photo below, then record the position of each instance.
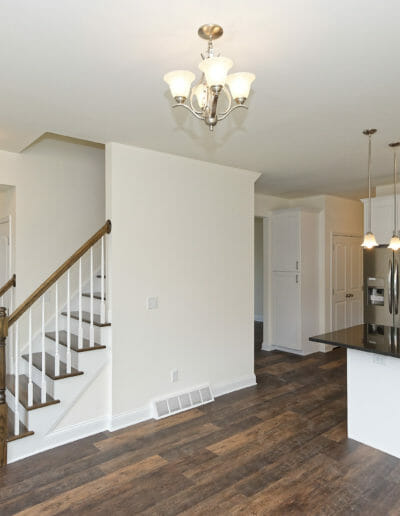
(10, 283)
(58, 273)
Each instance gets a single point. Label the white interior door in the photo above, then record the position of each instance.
(347, 282)
(286, 310)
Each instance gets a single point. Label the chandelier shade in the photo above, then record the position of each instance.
(179, 82)
(203, 100)
(215, 70)
(240, 84)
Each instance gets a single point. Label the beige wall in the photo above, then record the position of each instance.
(343, 217)
(183, 230)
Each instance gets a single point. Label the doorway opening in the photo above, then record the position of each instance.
(7, 212)
(258, 282)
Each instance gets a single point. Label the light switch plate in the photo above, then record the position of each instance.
(152, 303)
(174, 375)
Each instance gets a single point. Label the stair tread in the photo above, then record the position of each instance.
(96, 295)
(50, 366)
(23, 392)
(62, 339)
(23, 431)
(86, 318)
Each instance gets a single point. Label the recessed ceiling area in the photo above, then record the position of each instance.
(325, 71)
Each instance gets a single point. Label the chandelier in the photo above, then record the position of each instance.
(203, 99)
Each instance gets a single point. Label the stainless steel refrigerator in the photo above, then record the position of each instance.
(381, 286)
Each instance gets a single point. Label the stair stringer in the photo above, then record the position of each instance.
(43, 421)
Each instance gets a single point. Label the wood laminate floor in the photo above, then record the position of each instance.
(277, 448)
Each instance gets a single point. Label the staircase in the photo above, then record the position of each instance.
(65, 350)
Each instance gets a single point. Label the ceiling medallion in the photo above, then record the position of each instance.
(202, 99)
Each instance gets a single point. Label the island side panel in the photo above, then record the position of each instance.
(373, 408)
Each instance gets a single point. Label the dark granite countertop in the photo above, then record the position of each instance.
(372, 338)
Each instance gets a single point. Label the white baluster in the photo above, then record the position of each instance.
(30, 383)
(11, 335)
(68, 325)
(56, 355)
(16, 388)
(102, 302)
(43, 389)
(91, 335)
(80, 329)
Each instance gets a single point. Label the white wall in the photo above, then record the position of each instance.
(258, 269)
(59, 203)
(183, 230)
(264, 204)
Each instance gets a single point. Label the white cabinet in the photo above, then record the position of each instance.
(294, 279)
(286, 241)
(382, 217)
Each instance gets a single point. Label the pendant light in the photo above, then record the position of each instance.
(395, 240)
(369, 237)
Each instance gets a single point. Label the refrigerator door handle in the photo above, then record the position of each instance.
(396, 289)
(390, 295)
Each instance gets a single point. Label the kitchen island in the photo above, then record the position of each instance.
(373, 383)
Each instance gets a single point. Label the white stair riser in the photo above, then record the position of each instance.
(37, 377)
(50, 347)
(80, 361)
(85, 328)
(86, 304)
(32, 419)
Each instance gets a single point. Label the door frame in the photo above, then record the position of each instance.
(332, 235)
(8, 220)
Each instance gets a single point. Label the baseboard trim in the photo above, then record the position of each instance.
(266, 347)
(241, 383)
(64, 436)
(97, 425)
(130, 418)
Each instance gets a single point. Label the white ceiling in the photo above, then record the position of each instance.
(92, 69)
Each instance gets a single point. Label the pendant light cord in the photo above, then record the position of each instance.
(395, 191)
(369, 183)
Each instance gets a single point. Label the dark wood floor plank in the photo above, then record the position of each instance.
(280, 447)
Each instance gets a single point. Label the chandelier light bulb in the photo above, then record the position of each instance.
(179, 82)
(200, 92)
(369, 240)
(215, 70)
(240, 84)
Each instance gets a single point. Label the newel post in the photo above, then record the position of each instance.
(3, 404)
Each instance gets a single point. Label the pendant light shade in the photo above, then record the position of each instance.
(395, 240)
(394, 243)
(369, 238)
